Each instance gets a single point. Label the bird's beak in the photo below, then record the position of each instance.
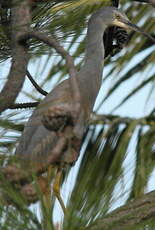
(131, 26)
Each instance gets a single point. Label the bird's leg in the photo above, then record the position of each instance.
(47, 194)
(56, 189)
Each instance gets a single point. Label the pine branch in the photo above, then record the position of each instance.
(137, 212)
(108, 118)
(152, 2)
(10, 125)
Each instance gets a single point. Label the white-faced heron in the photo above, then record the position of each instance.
(40, 134)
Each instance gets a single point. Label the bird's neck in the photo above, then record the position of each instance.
(94, 47)
(91, 73)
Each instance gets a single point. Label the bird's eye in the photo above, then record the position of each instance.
(118, 16)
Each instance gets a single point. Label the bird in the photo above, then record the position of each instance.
(43, 130)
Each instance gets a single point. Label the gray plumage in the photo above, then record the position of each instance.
(37, 142)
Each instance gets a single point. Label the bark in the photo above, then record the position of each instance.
(20, 57)
(138, 212)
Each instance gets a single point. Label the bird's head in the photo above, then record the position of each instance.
(111, 16)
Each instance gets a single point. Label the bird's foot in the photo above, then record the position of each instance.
(56, 190)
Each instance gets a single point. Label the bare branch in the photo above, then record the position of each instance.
(52, 42)
(20, 24)
(38, 88)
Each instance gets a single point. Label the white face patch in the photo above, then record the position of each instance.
(121, 24)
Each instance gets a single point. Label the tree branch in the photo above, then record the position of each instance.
(38, 88)
(137, 212)
(24, 105)
(52, 42)
(10, 125)
(108, 118)
(20, 24)
(152, 2)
